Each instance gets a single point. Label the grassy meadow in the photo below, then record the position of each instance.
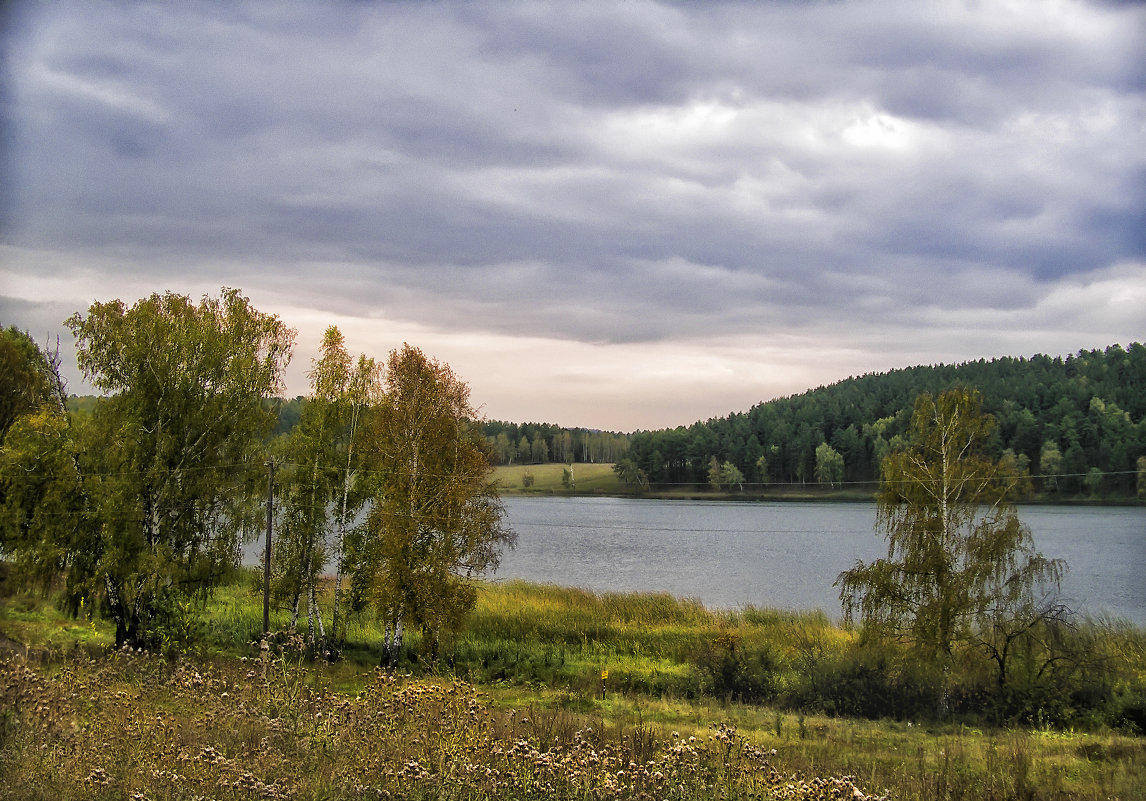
(589, 478)
(599, 479)
(546, 692)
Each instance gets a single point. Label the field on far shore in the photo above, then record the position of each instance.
(599, 479)
(588, 478)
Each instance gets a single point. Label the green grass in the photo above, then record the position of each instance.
(599, 479)
(529, 659)
(32, 622)
(547, 479)
(521, 633)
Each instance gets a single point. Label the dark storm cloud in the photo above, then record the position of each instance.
(604, 172)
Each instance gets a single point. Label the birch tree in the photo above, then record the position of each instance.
(42, 499)
(436, 520)
(959, 561)
(320, 488)
(363, 393)
(25, 377)
(724, 476)
(172, 458)
(829, 465)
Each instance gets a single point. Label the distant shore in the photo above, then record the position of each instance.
(599, 480)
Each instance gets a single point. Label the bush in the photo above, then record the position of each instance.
(870, 680)
(1127, 709)
(735, 672)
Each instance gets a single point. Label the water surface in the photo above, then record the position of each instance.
(786, 554)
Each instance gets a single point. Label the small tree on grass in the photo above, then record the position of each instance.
(961, 568)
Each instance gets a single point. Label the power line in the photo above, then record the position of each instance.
(253, 468)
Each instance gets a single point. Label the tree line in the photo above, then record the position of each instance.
(509, 443)
(1077, 424)
(141, 501)
(540, 443)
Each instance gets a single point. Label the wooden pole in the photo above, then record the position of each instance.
(267, 552)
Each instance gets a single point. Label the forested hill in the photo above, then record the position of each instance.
(1080, 419)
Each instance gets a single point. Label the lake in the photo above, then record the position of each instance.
(786, 554)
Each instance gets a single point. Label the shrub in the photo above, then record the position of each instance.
(870, 680)
(735, 672)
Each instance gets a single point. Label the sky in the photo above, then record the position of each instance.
(618, 215)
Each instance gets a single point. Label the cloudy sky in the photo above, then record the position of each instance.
(607, 214)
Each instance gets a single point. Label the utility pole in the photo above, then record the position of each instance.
(267, 553)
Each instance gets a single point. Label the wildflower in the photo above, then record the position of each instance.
(98, 777)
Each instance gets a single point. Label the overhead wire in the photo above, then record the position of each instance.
(253, 466)
(180, 507)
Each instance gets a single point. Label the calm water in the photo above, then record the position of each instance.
(786, 554)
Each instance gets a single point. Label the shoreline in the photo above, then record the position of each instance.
(801, 496)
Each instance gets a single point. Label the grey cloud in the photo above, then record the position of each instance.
(447, 161)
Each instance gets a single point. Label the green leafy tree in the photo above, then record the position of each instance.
(1050, 466)
(1093, 480)
(503, 449)
(27, 377)
(1015, 470)
(1141, 465)
(714, 474)
(762, 469)
(37, 457)
(321, 489)
(631, 475)
(43, 515)
(172, 459)
(960, 564)
(1074, 467)
(436, 520)
(539, 449)
(829, 465)
(724, 476)
(288, 413)
(351, 547)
